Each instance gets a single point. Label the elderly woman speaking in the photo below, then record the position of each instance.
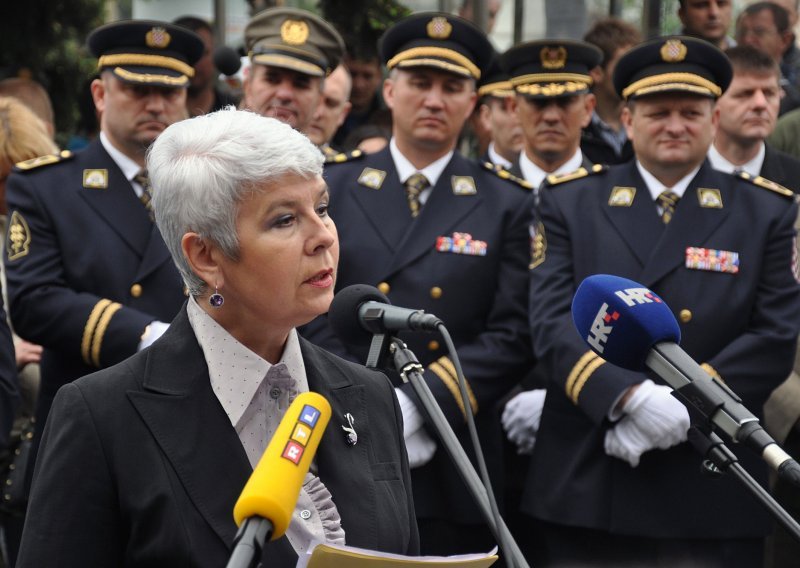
(142, 463)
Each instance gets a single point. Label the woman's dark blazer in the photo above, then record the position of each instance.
(140, 466)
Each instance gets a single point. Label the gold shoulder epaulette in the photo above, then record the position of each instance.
(342, 157)
(766, 184)
(34, 163)
(503, 173)
(554, 179)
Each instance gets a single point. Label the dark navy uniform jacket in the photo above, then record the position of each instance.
(464, 259)
(742, 324)
(87, 270)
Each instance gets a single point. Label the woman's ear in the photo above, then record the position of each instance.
(202, 258)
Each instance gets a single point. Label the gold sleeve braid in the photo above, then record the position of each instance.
(95, 329)
(711, 371)
(446, 371)
(580, 373)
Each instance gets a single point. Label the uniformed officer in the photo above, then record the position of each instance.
(718, 249)
(89, 277)
(291, 52)
(553, 103)
(498, 118)
(436, 231)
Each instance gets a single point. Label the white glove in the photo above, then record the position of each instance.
(521, 417)
(419, 445)
(655, 420)
(152, 332)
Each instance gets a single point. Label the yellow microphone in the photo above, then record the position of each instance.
(264, 508)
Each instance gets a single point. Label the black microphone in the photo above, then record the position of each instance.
(630, 326)
(227, 60)
(360, 310)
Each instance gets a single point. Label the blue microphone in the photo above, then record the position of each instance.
(622, 320)
(632, 327)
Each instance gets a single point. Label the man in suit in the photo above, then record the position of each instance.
(436, 231)
(745, 115)
(604, 140)
(612, 481)
(551, 80)
(89, 277)
(291, 53)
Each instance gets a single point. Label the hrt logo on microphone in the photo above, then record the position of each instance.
(598, 333)
(635, 296)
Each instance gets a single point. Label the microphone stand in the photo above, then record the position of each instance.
(248, 543)
(406, 363)
(719, 459)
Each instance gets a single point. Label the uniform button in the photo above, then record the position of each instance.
(185, 291)
(136, 290)
(384, 287)
(275, 393)
(685, 315)
(305, 514)
(436, 292)
(433, 345)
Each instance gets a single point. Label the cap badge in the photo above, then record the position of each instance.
(294, 32)
(673, 51)
(439, 28)
(157, 38)
(553, 57)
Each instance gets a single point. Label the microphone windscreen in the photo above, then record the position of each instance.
(274, 486)
(343, 315)
(227, 60)
(621, 320)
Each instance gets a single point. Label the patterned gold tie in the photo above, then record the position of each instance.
(147, 192)
(667, 201)
(415, 185)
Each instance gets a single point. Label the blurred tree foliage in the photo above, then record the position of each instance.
(45, 40)
(362, 22)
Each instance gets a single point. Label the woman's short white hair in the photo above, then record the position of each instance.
(201, 168)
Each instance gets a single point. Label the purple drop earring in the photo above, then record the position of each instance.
(216, 300)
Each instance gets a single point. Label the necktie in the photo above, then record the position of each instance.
(414, 186)
(668, 201)
(147, 192)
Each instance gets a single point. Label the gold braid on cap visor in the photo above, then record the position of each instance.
(498, 89)
(144, 60)
(288, 62)
(422, 55)
(670, 82)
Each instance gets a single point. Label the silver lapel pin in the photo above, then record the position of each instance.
(352, 436)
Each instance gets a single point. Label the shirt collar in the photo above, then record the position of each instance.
(234, 370)
(655, 187)
(128, 167)
(497, 158)
(406, 169)
(535, 175)
(721, 163)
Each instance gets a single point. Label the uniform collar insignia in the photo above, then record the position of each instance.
(622, 196)
(463, 185)
(709, 198)
(372, 178)
(95, 179)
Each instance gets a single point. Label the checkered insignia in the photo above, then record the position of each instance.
(157, 38)
(673, 51)
(439, 28)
